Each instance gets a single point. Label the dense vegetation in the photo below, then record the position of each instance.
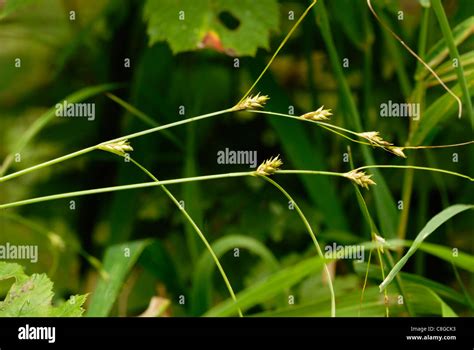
(100, 94)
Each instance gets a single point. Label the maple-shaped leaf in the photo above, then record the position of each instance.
(31, 296)
(233, 27)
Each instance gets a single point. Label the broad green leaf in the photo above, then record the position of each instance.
(430, 227)
(268, 288)
(31, 296)
(202, 282)
(192, 24)
(118, 261)
(7, 7)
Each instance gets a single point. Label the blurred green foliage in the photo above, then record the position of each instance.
(171, 66)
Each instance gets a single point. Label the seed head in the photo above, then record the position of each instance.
(270, 166)
(120, 147)
(360, 178)
(398, 151)
(374, 139)
(320, 114)
(252, 102)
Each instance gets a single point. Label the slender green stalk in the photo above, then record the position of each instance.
(198, 231)
(418, 95)
(144, 118)
(46, 164)
(419, 59)
(122, 138)
(415, 167)
(332, 128)
(373, 232)
(287, 37)
(454, 53)
(310, 172)
(124, 187)
(47, 117)
(406, 198)
(204, 178)
(365, 281)
(313, 237)
(327, 126)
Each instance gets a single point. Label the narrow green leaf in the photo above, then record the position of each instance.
(427, 303)
(268, 288)
(348, 306)
(454, 54)
(462, 259)
(409, 278)
(430, 227)
(440, 50)
(443, 108)
(118, 261)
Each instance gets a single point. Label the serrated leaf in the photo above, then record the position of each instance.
(189, 25)
(31, 296)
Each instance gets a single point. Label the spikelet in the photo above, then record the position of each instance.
(252, 102)
(270, 166)
(120, 148)
(320, 114)
(360, 178)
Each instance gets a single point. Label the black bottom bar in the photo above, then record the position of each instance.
(19, 333)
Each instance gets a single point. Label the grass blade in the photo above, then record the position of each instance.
(430, 227)
(268, 288)
(118, 261)
(441, 109)
(454, 53)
